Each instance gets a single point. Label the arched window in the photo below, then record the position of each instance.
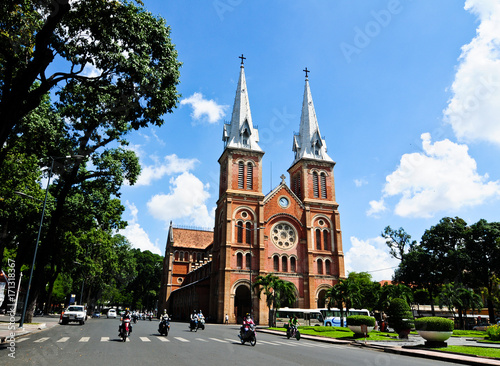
(249, 176)
(239, 260)
(241, 173)
(315, 185)
(176, 255)
(194, 257)
(328, 269)
(276, 263)
(320, 266)
(318, 239)
(248, 259)
(293, 266)
(323, 185)
(248, 233)
(239, 227)
(284, 264)
(186, 257)
(326, 242)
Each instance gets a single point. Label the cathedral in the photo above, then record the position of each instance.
(292, 232)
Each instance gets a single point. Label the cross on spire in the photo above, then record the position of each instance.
(242, 58)
(305, 70)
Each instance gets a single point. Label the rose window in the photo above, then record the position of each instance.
(284, 236)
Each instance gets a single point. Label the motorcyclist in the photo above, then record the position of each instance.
(293, 323)
(125, 316)
(247, 322)
(194, 319)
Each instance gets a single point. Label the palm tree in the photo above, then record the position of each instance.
(277, 291)
(344, 294)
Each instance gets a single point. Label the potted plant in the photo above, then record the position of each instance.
(356, 324)
(435, 330)
(400, 317)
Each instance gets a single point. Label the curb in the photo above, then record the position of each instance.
(401, 350)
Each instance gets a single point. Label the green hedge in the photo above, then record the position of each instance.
(493, 332)
(434, 323)
(400, 315)
(360, 320)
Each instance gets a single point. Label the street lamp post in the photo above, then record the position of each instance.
(21, 323)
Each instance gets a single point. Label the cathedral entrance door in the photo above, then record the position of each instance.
(241, 302)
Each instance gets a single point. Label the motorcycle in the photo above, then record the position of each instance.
(292, 331)
(150, 316)
(201, 324)
(164, 326)
(193, 325)
(247, 334)
(134, 318)
(125, 329)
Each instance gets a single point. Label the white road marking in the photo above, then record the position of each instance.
(63, 339)
(181, 339)
(84, 339)
(21, 340)
(41, 340)
(145, 339)
(218, 340)
(266, 342)
(163, 339)
(104, 339)
(201, 340)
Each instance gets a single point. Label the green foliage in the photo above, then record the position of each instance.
(400, 315)
(493, 332)
(361, 320)
(434, 323)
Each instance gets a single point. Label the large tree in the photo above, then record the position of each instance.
(116, 71)
(116, 48)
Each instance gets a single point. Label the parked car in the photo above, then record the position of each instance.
(74, 313)
(481, 326)
(111, 313)
(96, 314)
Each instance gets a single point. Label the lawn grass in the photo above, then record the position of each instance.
(477, 351)
(343, 333)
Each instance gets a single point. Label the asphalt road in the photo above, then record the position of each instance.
(97, 343)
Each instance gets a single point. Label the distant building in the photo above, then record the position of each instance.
(292, 232)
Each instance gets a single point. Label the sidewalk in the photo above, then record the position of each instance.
(9, 330)
(408, 348)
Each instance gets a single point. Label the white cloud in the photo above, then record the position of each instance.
(360, 182)
(186, 202)
(376, 207)
(372, 256)
(203, 109)
(171, 164)
(136, 234)
(443, 177)
(474, 111)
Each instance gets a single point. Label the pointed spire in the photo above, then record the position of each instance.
(308, 142)
(241, 133)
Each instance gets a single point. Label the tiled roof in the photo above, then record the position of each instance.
(188, 238)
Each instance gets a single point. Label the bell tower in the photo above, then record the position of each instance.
(239, 210)
(312, 181)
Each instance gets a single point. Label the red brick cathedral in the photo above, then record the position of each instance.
(292, 232)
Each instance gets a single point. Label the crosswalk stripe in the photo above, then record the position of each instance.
(104, 339)
(84, 339)
(163, 339)
(286, 344)
(41, 340)
(231, 340)
(181, 339)
(21, 340)
(145, 339)
(63, 339)
(306, 344)
(266, 342)
(218, 340)
(201, 340)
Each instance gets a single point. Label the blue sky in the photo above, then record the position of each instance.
(407, 95)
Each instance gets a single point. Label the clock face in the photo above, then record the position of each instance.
(283, 201)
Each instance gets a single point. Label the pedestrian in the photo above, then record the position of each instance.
(226, 319)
